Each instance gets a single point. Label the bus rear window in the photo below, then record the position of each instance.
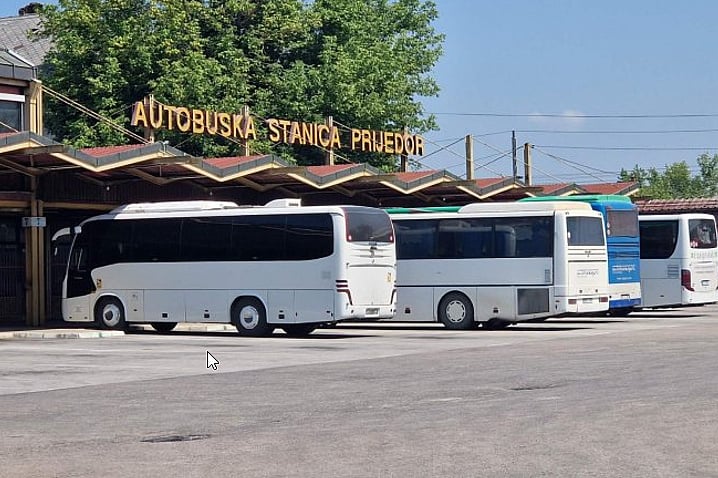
(368, 225)
(702, 233)
(585, 231)
(621, 222)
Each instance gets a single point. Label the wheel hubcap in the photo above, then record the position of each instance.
(455, 311)
(111, 315)
(249, 317)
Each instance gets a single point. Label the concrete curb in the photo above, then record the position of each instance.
(50, 334)
(60, 334)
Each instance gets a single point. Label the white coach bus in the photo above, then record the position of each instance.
(679, 259)
(499, 263)
(280, 265)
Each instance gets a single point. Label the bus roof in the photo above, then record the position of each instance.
(201, 205)
(504, 207)
(580, 197)
(179, 209)
(414, 210)
(173, 206)
(492, 207)
(686, 215)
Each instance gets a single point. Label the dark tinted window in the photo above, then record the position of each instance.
(309, 236)
(78, 256)
(458, 238)
(10, 116)
(207, 239)
(259, 238)
(465, 238)
(242, 238)
(366, 224)
(621, 222)
(532, 235)
(415, 239)
(702, 233)
(585, 231)
(111, 241)
(156, 240)
(658, 238)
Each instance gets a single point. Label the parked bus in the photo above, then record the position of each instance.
(620, 217)
(499, 263)
(280, 265)
(679, 259)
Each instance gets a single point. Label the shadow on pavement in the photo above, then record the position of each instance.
(278, 334)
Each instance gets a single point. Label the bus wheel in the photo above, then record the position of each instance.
(622, 312)
(250, 318)
(163, 326)
(109, 314)
(496, 324)
(299, 330)
(456, 311)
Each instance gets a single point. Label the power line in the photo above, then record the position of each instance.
(632, 148)
(663, 131)
(572, 164)
(579, 116)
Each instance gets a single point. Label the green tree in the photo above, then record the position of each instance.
(676, 181)
(367, 63)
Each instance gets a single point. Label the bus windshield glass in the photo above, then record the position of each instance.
(367, 225)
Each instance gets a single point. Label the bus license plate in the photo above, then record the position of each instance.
(372, 311)
(587, 301)
(705, 283)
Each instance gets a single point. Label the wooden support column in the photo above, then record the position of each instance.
(35, 306)
(33, 108)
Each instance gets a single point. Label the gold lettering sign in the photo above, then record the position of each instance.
(150, 114)
(156, 115)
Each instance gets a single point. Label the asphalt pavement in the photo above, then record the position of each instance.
(581, 397)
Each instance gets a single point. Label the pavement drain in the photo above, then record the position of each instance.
(175, 438)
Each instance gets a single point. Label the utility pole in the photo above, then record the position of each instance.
(244, 145)
(403, 157)
(329, 154)
(513, 153)
(527, 164)
(469, 157)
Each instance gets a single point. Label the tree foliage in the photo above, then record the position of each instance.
(367, 63)
(677, 181)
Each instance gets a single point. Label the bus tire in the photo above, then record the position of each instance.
(622, 312)
(250, 317)
(299, 330)
(496, 324)
(163, 327)
(456, 311)
(109, 313)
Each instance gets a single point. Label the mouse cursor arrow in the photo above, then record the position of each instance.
(211, 361)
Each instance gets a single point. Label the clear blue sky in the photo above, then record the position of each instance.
(618, 58)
